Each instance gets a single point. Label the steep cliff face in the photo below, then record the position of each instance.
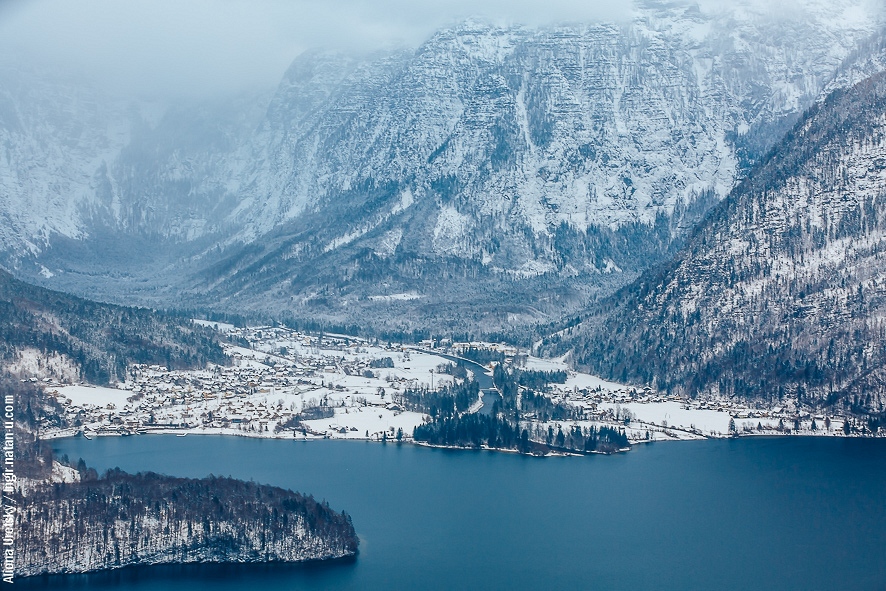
(868, 59)
(504, 129)
(567, 158)
(497, 108)
(56, 134)
(121, 520)
(495, 164)
(781, 291)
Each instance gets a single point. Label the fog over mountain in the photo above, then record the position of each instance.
(555, 228)
(204, 48)
(477, 176)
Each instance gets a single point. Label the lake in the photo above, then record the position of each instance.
(755, 513)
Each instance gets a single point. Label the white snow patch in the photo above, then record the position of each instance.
(533, 268)
(397, 297)
(33, 363)
(406, 200)
(583, 380)
(94, 395)
(388, 244)
(677, 415)
(611, 267)
(346, 239)
(62, 473)
(372, 420)
(219, 326)
(450, 230)
(539, 364)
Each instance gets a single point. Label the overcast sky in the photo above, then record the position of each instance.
(208, 47)
(211, 46)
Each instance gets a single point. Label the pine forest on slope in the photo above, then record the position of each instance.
(781, 290)
(55, 334)
(449, 184)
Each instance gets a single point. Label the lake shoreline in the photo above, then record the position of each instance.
(72, 434)
(49, 578)
(418, 512)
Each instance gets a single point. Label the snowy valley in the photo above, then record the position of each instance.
(288, 384)
(566, 239)
(477, 171)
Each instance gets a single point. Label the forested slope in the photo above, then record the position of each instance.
(70, 519)
(781, 291)
(97, 340)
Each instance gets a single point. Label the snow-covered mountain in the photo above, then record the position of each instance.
(781, 291)
(488, 164)
(56, 136)
(587, 125)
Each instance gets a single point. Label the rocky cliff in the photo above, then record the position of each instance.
(482, 168)
(781, 290)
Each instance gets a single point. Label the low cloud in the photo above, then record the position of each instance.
(207, 47)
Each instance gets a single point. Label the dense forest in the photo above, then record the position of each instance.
(514, 421)
(100, 340)
(479, 430)
(73, 520)
(781, 291)
(122, 519)
(33, 411)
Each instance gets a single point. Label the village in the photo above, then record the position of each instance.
(283, 383)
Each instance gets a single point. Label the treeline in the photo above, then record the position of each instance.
(513, 422)
(479, 430)
(533, 405)
(776, 294)
(473, 430)
(123, 519)
(101, 339)
(456, 370)
(587, 439)
(33, 411)
(539, 380)
(308, 413)
(444, 403)
(482, 355)
(544, 409)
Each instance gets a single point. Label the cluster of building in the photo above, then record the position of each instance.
(282, 382)
(277, 378)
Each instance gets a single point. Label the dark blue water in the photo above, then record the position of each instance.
(791, 513)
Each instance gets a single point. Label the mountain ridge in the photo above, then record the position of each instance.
(571, 157)
(778, 291)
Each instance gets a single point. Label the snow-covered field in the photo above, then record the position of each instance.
(220, 326)
(93, 395)
(677, 415)
(285, 381)
(367, 423)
